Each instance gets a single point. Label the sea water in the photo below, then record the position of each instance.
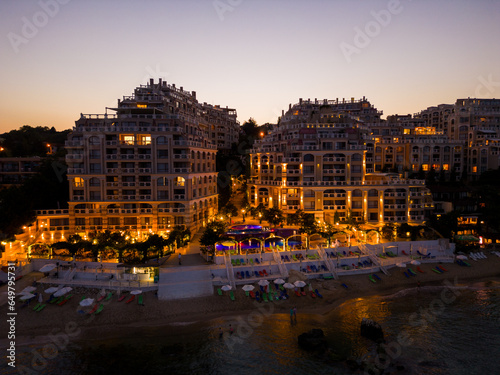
(446, 331)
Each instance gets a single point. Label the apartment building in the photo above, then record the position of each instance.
(473, 122)
(13, 171)
(320, 158)
(146, 167)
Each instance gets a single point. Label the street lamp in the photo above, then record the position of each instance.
(243, 214)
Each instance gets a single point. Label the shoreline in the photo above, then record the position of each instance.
(185, 316)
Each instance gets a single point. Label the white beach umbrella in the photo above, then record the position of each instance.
(63, 291)
(27, 296)
(51, 290)
(415, 262)
(248, 288)
(40, 298)
(136, 291)
(226, 288)
(87, 302)
(263, 282)
(289, 286)
(103, 292)
(401, 265)
(28, 289)
(279, 281)
(299, 284)
(48, 267)
(464, 257)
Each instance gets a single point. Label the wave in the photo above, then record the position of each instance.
(489, 285)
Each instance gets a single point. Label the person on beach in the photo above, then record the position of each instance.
(295, 313)
(291, 315)
(179, 259)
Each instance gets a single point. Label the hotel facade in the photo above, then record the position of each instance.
(145, 168)
(320, 158)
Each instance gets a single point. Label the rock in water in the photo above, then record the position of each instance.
(313, 340)
(372, 330)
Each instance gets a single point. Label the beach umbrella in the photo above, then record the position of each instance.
(86, 302)
(279, 281)
(48, 267)
(289, 286)
(40, 298)
(248, 288)
(226, 288)
(415, 262)
(52, 290)
(136, 291)
(299, 284)
(28, 289)
(401, 265)
(464, 257)
(263, 282)
(27, 296)
(62, 291)
(103, 292)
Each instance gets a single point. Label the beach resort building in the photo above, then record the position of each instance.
(320, 158)
(146, 167)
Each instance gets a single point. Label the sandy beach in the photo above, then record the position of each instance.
(118, 319)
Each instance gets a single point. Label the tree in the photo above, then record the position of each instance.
(388, 232)
(274, 216)
(295, 218)
(229, 210)
(327, 232)
(308, 226)
(179, 236)
(213, 233)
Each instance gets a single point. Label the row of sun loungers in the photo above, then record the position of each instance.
(250, 274)
(343, 254)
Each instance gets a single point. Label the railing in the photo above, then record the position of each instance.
(229, 269)
(281, 266)
(374, 258)
(329, 264)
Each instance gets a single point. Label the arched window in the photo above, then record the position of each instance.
(161, 140)
(308, 157)
(356, 157)
(78, 182)
(180, 181)
(94, 140)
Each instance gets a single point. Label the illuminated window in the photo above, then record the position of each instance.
(446, 167)
(78, 182)
(425, 167)
(180, 181)
(142, 106)
(128, 139)
(474, 169)
(435, 166)
(145, 139)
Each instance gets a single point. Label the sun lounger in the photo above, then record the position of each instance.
(100, 298)
(441, 268)
(231, 295)
(237, 262)
(41, 307)
(257, 296)
(411, 272)
(140, 300)
(261, 274)
(297, 293)
(250, 261)
(219, 291)
(407, 276)
(309, 269)
(257, 261)
(265, 273)
(313, 295)
(420, 269)
(345, 286)
(37, 306)
(100, 308)
(242, 262)
(376, 277)
(56, 300)
(94, 309)
(233, 263)
(317, 293)
(109, 296)
(130, 299)
(66, 299)
(256, 274)
(247, 274)
(435, 270)
(404, 252)
(252, 294)
(286, 258)
(371, 279)
(122, 297)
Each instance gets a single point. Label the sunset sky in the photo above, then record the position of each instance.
(60, 58)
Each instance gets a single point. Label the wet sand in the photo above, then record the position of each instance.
(120, 319)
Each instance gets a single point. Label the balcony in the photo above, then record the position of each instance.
(294, 208)
(75, 170)
(179, 197)
(182, 170)
(394, 206)
(145, 170)
(333, 171)
(293, 171)
(181, 156)
(334, 208)
(145, 197)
